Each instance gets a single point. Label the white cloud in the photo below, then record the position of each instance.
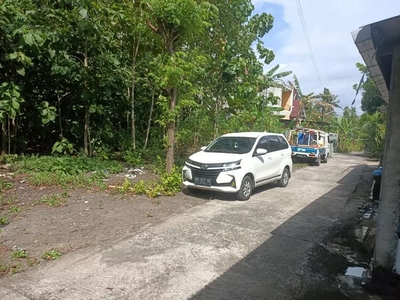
(329, 26)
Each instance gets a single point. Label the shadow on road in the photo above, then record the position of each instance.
(212, 195)
(286, 266)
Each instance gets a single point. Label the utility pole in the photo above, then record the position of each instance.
(323, 112)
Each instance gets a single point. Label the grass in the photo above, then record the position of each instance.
(14, 209)
(66, 171)
(67, 180)
(54, 199)
(5, 184)
(168, 185)
(19, 254)
(66, 164)
(51, 255)
(3, 221)
(3, 269)
(82, 172)
(10, 269)
(13, 269)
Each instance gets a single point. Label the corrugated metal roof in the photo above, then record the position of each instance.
(375, 43)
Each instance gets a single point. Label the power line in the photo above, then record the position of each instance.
(303, 25)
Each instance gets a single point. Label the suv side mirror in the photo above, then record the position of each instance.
(203, 148)
(261, 151)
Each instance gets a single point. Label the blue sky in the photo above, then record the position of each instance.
(329, 26)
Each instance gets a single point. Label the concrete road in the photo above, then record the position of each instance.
(221, 250)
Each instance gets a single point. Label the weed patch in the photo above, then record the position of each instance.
(14, 269)
(67, 180)
(19, 254)
(168, 185)
(54, 199)
(3, 269)
(14, 209)
(3, 221)
(65, 164)
(5, 185)
(51, 255)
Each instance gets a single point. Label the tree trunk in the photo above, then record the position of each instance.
(3, 138)
(127, 122)
(149, 122)
(15, 135)
(9, 135)
(171, 134)
(127, 112)
(135, 51)
(86, 134)
(59, 114)
(88, 145)
(133, 129)
(216, 118)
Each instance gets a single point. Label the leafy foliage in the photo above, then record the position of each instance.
(373, 121)
(62, 147)
(371, 100)
(366, 132)
(53, 200)
(113, 76)
(51, 255)
(3, 220)
(14, 209)
(348, 128)
(65, 165)
(373, 133)
(168, 184)
(19, 254)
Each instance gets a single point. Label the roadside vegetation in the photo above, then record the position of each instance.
(133, 80)
(356, 133)
(92, 89)
(366, 132)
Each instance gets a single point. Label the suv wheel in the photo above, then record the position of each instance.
(283, 182)
(245, 189)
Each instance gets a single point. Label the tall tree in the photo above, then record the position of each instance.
(178, 23)
(371, 99)
(104, 75)
(327, 106)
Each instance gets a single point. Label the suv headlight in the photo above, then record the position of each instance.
(231, 166)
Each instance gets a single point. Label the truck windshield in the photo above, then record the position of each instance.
(230, 144)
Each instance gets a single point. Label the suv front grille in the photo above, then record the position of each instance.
(212, 174)
(205, 173)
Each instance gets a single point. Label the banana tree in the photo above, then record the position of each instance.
(349, 133)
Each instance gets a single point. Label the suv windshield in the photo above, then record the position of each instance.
(232, 144)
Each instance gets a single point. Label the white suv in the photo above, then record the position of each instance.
(239, 162)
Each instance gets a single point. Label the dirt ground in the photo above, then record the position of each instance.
(82, 218)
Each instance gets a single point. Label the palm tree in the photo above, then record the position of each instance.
(306, 101)
(315, 106)
(327, 104)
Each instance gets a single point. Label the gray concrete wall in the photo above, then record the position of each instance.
(389, 208)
